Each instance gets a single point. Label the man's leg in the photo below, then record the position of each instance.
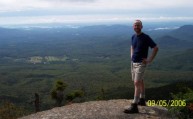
(137, 76)
(142, 91)
(142, 94)
(134, 108)
(137, 84)
(141, 71)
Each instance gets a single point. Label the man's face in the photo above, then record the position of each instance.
(137, 27)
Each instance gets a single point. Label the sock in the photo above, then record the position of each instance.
(136, 99)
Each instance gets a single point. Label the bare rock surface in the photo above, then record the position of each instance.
(110, 109)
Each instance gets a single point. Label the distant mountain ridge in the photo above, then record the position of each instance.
(187, 28)
(184, 32)
(171, 42)
(100, 39)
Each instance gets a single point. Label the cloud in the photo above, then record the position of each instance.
(94, 4)
(23, 5)
(70, 0)
(112, 10)
(70, 19)
(164, 28)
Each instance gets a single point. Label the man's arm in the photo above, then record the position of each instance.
(153, 54)
(131, 51)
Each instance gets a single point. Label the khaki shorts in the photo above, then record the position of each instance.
(137, 71)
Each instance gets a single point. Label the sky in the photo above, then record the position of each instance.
(15, 12)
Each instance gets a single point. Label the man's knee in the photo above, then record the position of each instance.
(137, 83)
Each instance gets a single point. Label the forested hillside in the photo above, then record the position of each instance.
(95, 59)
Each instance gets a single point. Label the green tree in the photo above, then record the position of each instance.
(75, 94)
(10, 111)
(58, 92)
(101, 95)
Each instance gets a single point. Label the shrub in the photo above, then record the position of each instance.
(10, 111)
(183, 112)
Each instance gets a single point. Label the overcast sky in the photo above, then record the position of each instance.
(93, 11)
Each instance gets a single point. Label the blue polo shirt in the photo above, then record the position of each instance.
(141, 44)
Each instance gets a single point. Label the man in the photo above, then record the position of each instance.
(139, 55)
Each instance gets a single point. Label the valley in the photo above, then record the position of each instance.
(90, 58)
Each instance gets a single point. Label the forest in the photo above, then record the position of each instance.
(95, 59)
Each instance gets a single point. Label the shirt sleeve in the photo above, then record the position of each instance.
(151, 43)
